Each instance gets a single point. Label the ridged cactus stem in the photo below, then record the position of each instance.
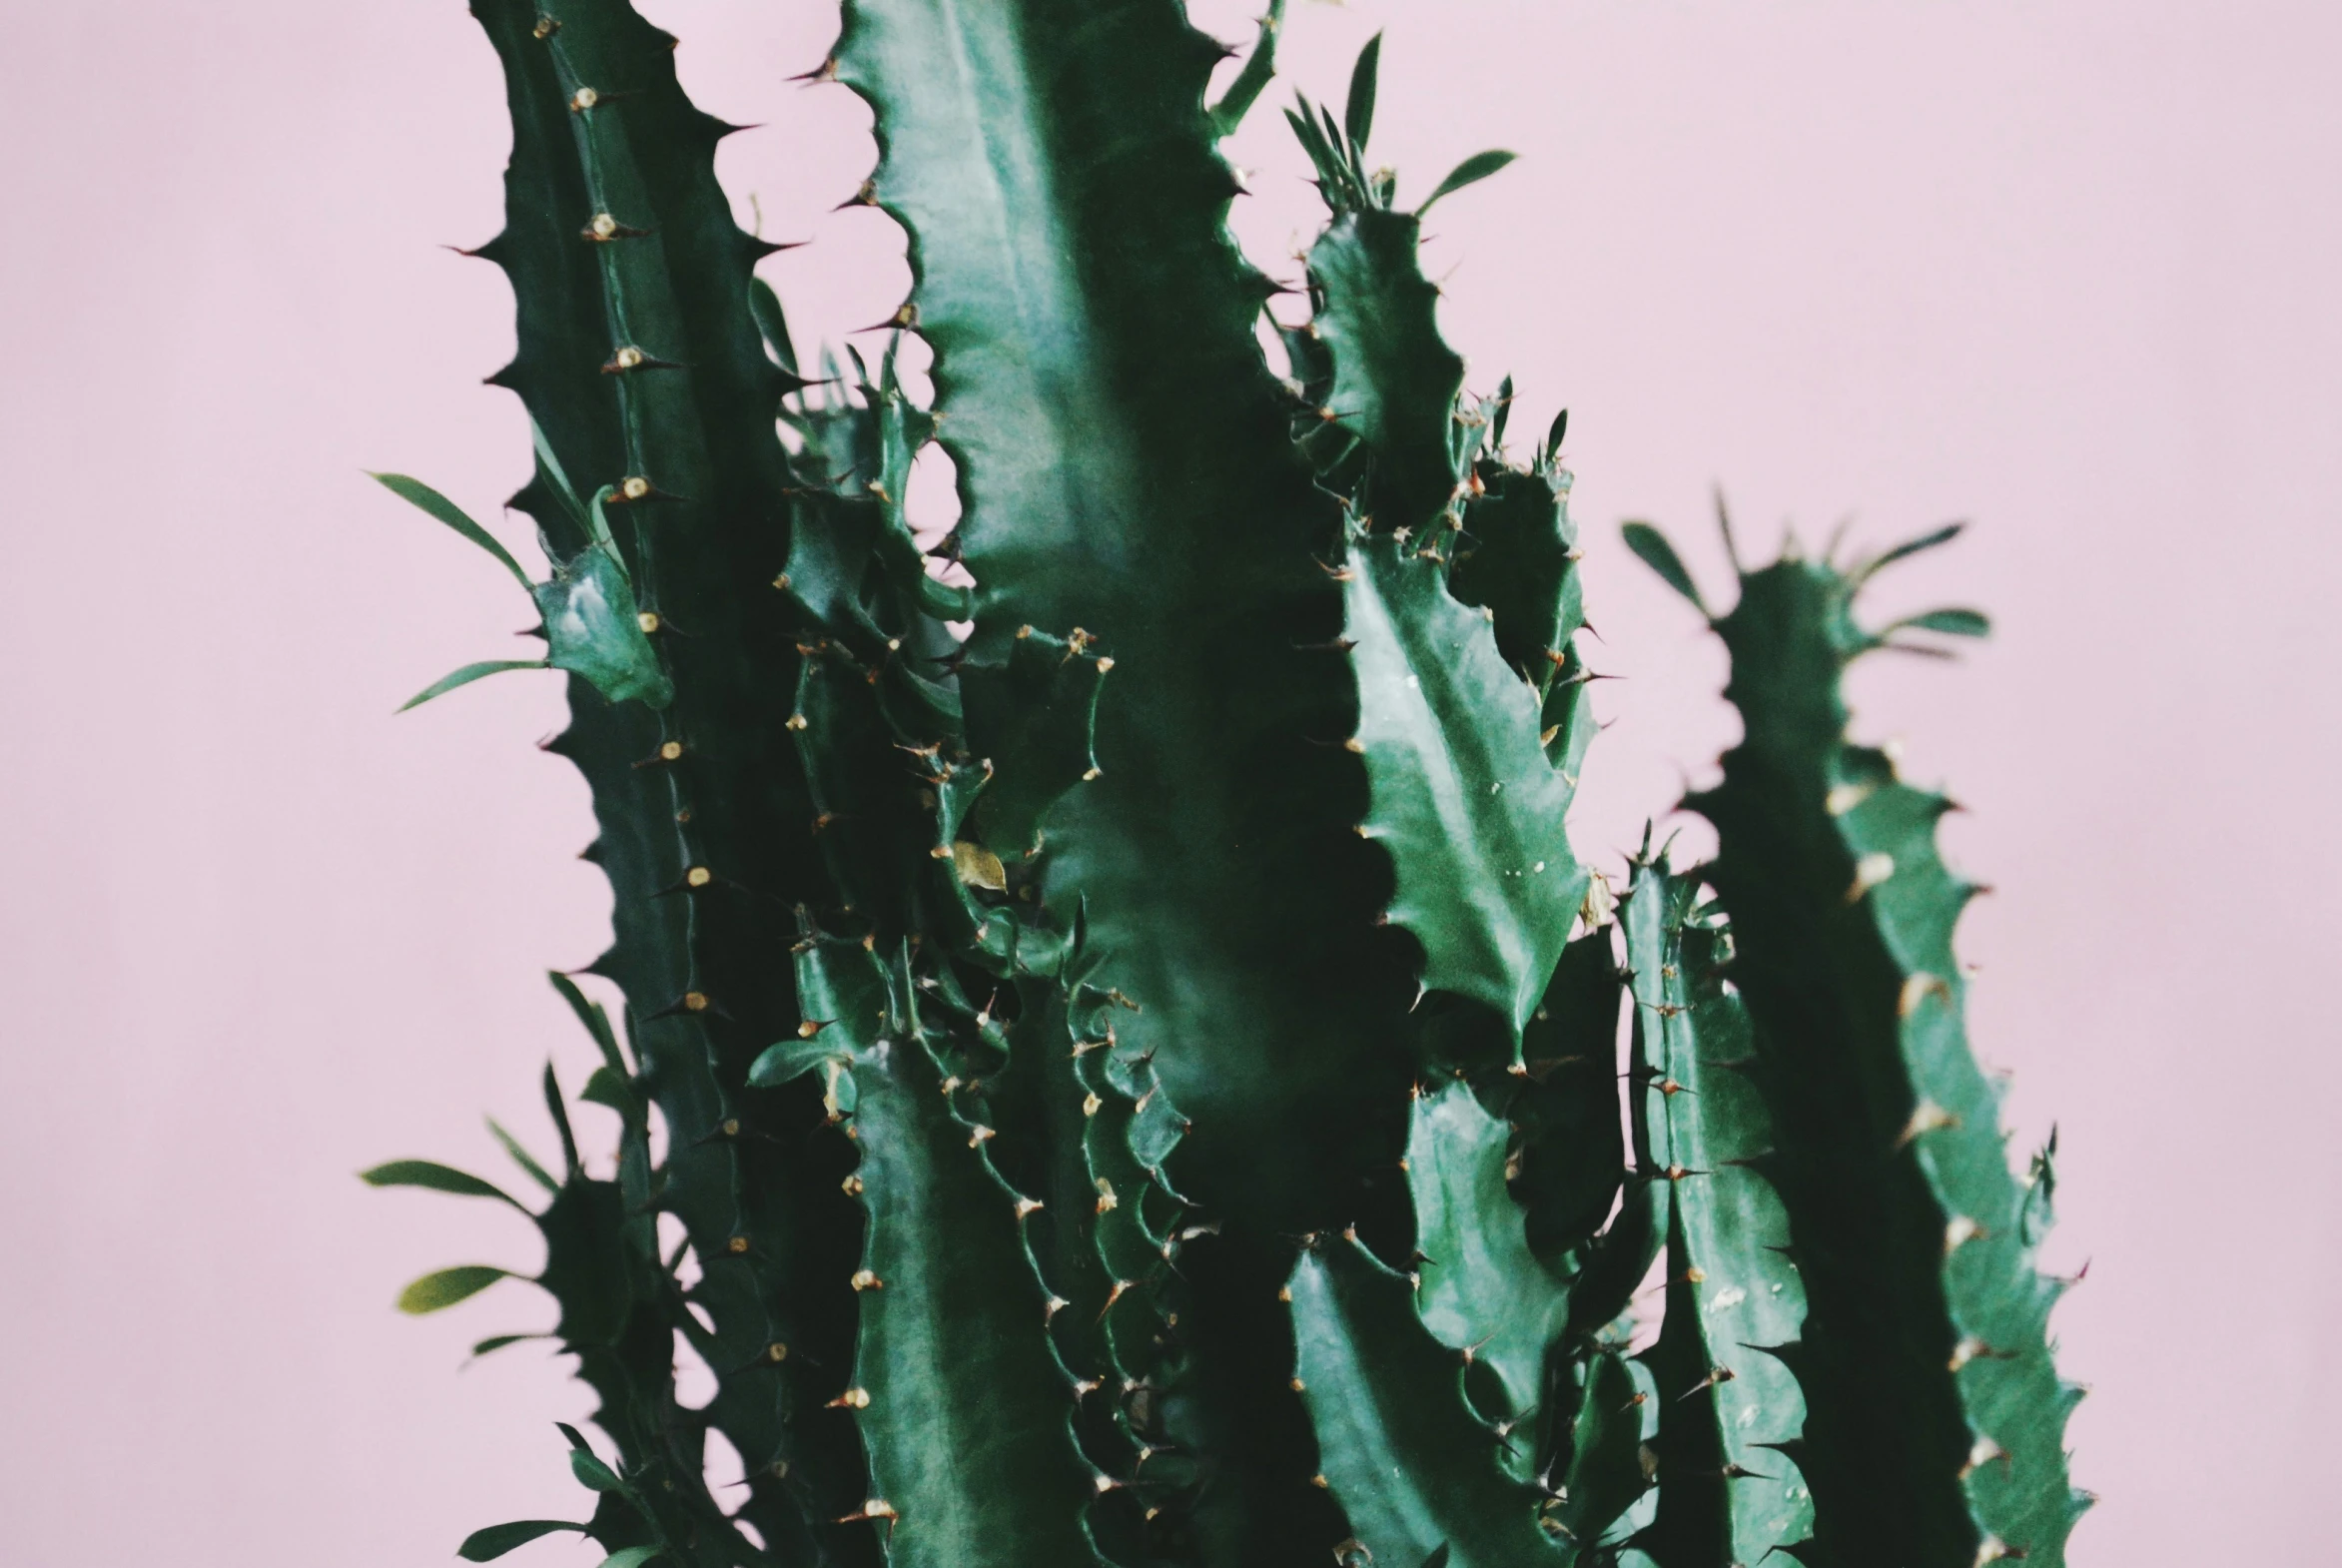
(1175, 1121)
(1731, 1414)
(1935, 1412)
(642, 367)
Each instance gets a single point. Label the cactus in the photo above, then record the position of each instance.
(1178, 1119)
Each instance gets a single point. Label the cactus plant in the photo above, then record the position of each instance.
(1178, 1119)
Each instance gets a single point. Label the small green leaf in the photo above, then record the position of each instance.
(1471, 170)
(448, 1286)
(591, 1015)
(1357, 116)
(599, 520)
(467, 675)
(497, 1342)
(523, 1157)
(1648, 544)
(439, 1177)
(559, 1112)
(556, 477)
(595, 629)
(607, 1088)
(592, 1473)
(482, 1546)
(1553, 435)
(771, 324)
(1909, 547)
(431, 500)
(1951, 622)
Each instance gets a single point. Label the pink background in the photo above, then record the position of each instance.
(2068, 270)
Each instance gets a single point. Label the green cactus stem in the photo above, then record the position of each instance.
(1935, 1412)
(1731, 1414)
(1178, 1121)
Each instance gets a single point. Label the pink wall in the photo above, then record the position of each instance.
(2070, 271)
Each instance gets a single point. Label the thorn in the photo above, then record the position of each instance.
(852, 1399)
(1928, 1118)
(1916, 987)
(1869, 872)
(1716, 1375)
(1961, 1232)
(1982, 1453)
(864, 1280)
(1845, 798)
(1969, 1349)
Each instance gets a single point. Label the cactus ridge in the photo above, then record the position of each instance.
(1732, 1414)
(1934, 1411)
(1178, 1121)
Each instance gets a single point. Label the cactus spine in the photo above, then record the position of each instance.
(1174, 1120)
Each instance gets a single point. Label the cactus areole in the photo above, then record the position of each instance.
(1138, 1081)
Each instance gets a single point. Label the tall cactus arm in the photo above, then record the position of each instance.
(641, 365)
(1478, 1288)
(962, 1405)
(1395, 381)
(1731, 1414)
(1462, 794)
(1518, 561)
(1258, 69)
(1935, 1414)
(1126, 470)
(1417, 1471)
(1469, 806)
(617, 1303)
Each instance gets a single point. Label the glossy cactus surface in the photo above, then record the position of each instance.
(1120, 1061)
